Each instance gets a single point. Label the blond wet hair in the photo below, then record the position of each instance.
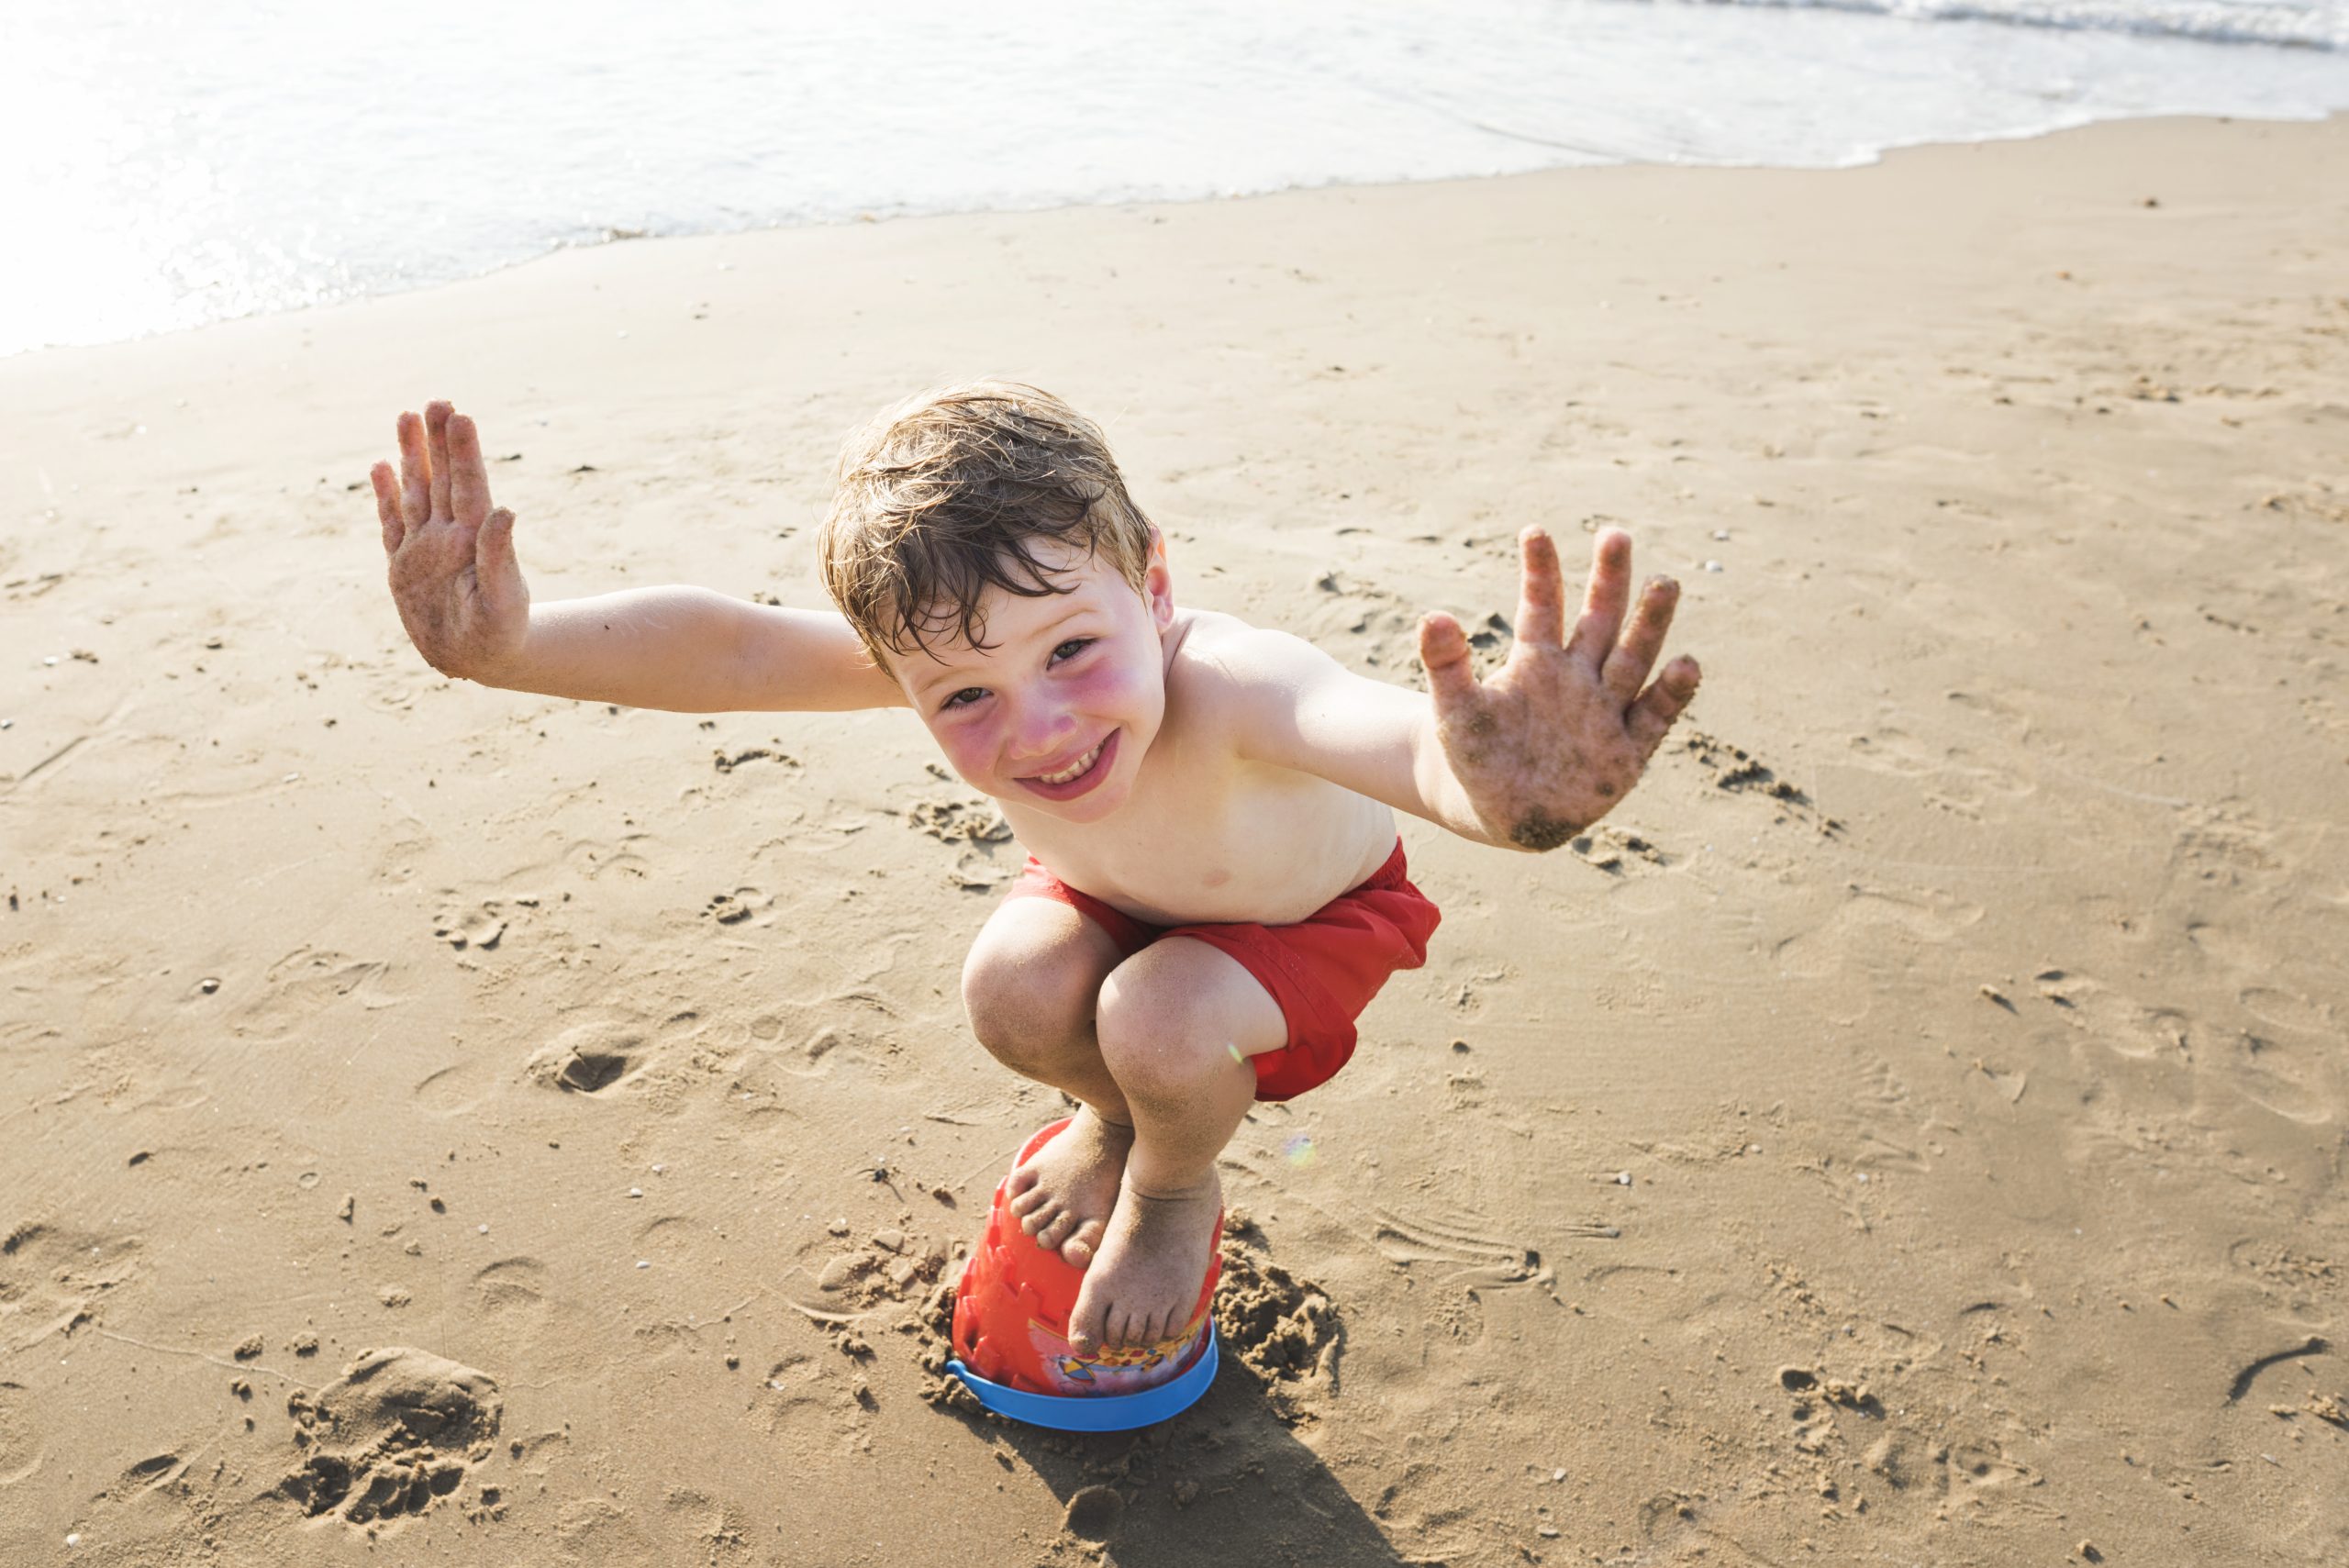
(950, 493)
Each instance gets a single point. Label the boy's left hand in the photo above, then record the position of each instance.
(1561, 732)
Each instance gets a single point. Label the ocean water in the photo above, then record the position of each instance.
(175, 164)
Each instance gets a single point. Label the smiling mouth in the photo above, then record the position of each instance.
(1081, 775)
(1077, 769)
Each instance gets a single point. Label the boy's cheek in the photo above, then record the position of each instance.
(967, 751)
(1117, 694)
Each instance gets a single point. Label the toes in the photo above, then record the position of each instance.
(1028, 1202)
(1082, 1243)
(1043, 1214)
(1123, 1322)
(1085, 1325)
(1022, 1183)
(1050, 1237)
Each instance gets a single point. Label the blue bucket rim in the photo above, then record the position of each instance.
(1104, 1413)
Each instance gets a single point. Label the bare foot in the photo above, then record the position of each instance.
(1063, 1196)
(1141, 1290)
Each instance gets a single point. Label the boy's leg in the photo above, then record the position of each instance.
(1178, 1023)
(1030, 985)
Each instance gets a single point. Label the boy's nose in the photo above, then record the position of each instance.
(1040, 731)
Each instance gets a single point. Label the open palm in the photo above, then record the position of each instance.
(1554, 738)
(454, 577)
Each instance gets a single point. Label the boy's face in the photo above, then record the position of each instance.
(1057, 712)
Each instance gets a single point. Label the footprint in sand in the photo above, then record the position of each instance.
(960, 821)
(21, 1445)
(1469, 995)
(1618, 851)
(397, 1431)
(1736, 771)
(601, 1530)
(453, 1090)
(847, 1029)
(824, 1402)
(694, 1515)
(2226, 846)
(672, 1237)
(1368, 623)
(148, 1474)
(481, 927)
(2121, 1024)
(742, 907)
(890, 1264)
(2287, 1010)
(510, 1288)
(974, 872)
(1953, 779)
(590, 1057)
(1871, 925)
(726, 761)
(2280, 1264)
(2288, 1075)
(53, 1279)
(2229, 948)
(307, 981)
(979, 831)
(1985, 1464)
(615, 1051)
(589, 859)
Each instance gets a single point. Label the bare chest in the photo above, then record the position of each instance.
(1207, 839)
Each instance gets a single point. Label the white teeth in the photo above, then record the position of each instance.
(1075, 770)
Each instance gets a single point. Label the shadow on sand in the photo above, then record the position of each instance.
(1230, 1480)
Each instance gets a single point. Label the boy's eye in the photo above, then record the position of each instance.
(963, 698)
(1071, 649)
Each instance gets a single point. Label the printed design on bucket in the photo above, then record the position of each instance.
(1011, 1310)
(1103, 1374)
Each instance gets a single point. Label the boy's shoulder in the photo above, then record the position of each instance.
(1218, 652)
(1226, 671)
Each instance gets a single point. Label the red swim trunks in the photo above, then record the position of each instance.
(1323, 970)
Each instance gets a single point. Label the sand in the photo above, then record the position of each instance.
(1909, 1130)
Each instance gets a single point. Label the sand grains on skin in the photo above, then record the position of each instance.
(1064, 1196)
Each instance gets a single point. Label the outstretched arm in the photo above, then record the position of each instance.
(462, 598)
(1529, 757)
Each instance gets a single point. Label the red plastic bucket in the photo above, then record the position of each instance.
(1011, 1310)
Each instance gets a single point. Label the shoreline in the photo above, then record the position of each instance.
(617, 238)
(1910, 1126)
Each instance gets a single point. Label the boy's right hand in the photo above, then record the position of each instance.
(459, 589)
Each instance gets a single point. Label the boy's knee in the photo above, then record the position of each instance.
(1156, 1038)
(1027, 1002)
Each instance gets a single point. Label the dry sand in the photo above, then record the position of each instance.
(1910, 1131)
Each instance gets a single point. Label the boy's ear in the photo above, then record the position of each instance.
(1158, 582)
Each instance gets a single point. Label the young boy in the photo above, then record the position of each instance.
(1216, 888)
